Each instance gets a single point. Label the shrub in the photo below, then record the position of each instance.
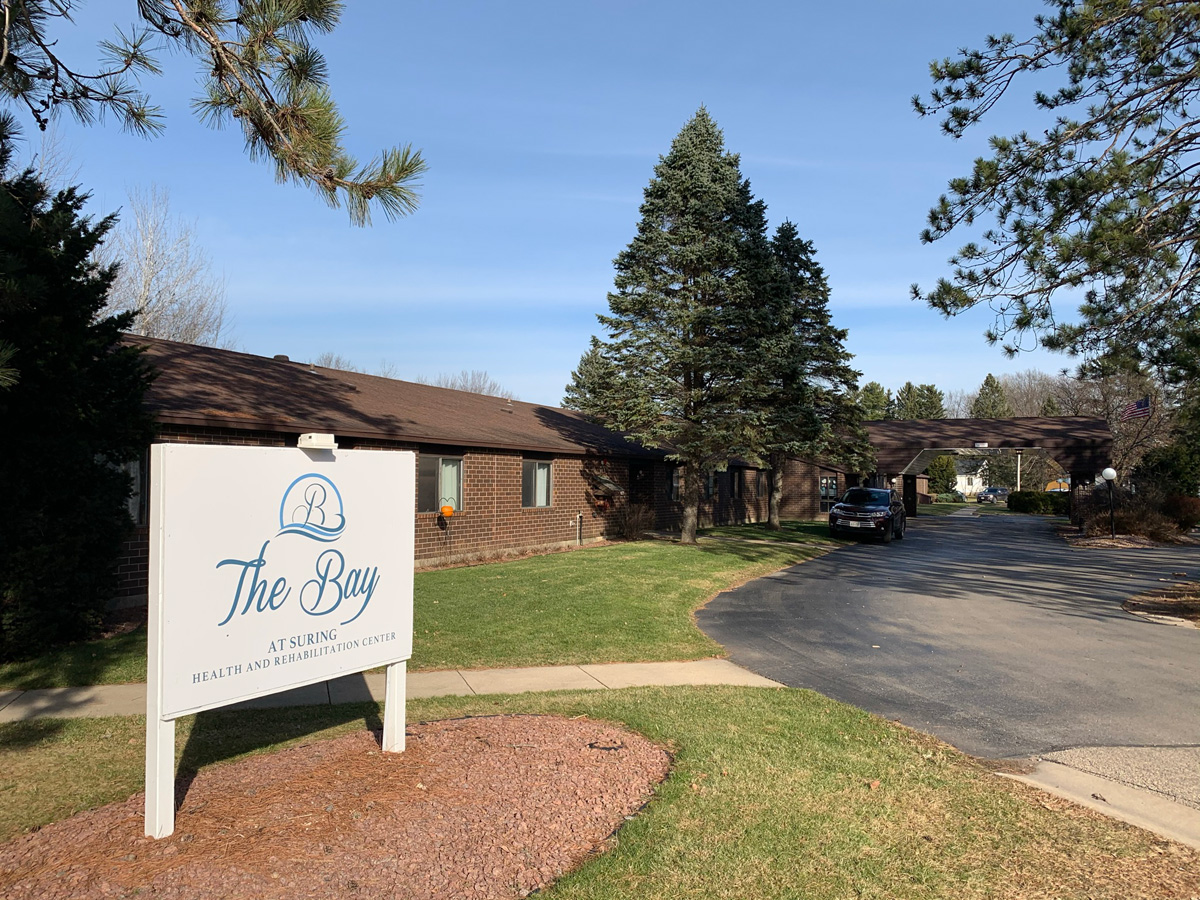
(1026, 502)
(1060, 503)
(634, 520)
(1040, 503)
(953, 497)
(1138, 514)
(1183, 511)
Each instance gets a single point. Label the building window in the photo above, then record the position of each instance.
(138, 470)
(535, 483)
(439, 483)
(761, 483)
(710, 485)
(737, 483)
(829, 491)
(641, 481)
(676, 482)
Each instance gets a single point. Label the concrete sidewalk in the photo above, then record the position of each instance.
(130, 699)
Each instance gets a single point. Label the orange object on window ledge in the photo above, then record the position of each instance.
(447, 511)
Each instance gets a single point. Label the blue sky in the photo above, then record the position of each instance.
(541, 123)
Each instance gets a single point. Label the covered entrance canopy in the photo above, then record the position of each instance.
(904, 447)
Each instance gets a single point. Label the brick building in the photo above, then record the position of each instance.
(521, 477)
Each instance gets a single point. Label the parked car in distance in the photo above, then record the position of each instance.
(872, 512)
(992, 495)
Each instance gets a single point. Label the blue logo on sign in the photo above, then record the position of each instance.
(312, 506)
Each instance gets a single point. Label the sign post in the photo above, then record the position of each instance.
(270, 569)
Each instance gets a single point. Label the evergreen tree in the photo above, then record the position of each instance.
(8, 375)
(591, 381)
(260, 71)
(678, 310)
(875, 402)
(990, 402)
(943, 476)
(923, 401)
(1102, 204)
(906, 402)
(1050, 407)
(810, 404)
(76, 409)
(931, 403)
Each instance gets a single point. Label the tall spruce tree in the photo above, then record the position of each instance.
(809, 406)
(76, 412)
(875, 402)
(590, 383)
(919, 401)
(991, 401)
(678, 312)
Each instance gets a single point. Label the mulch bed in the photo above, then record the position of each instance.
(478, 807)
(1071, 535)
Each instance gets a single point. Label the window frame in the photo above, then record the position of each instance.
(737, 483)
(827, 498)
(529, 466)
(440, 497)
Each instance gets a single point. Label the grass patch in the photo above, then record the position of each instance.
(790, 532)
(775, 794)
(619, 603)
(119, 659)
(622, 603)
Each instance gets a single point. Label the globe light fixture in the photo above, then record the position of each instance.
(1110, 475)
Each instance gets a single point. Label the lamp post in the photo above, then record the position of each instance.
(1109, 476)
(1018, 471)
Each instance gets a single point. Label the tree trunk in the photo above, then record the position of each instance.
(775, 497)
(691, 503)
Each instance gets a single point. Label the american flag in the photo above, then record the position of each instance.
(1139, 409)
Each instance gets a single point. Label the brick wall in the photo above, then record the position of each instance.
(491, 523)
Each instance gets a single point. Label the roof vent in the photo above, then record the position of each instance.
(281, 357)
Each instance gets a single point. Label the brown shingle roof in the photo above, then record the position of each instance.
(205, 386)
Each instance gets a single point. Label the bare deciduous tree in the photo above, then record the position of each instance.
(165, 276)
(331, 360)
(476, 381)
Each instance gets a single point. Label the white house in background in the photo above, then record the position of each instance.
(970, 479)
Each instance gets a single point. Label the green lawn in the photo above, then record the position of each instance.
(775, 793)
(618, 603)
(790, 532)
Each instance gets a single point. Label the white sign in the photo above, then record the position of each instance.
(273, 568)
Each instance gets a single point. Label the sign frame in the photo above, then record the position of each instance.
(171, 509)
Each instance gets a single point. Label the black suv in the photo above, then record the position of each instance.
(874, 512)
(992, 495)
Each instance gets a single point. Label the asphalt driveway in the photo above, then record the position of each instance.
(988, 632)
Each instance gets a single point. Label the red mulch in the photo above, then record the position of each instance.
(477, 807)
